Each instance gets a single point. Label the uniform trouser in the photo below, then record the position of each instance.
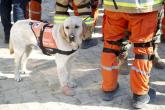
(18, 13)
(84, 12)
(34, 10)
(142, 28)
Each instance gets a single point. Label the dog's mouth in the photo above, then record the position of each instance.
(74, 45)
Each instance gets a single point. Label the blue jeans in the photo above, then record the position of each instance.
(18, 13)
(19, 9)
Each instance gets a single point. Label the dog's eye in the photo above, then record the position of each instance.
(67, 27)
(76, 26)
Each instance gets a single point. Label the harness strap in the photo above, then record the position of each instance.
(62, 13)
(61, 5)
(115, 4)
(148, 44)
(108, 50)
(146, 57)
(85, 13)
(41, 39)
(75, 8)
(47, 50)
(37, 1)
(122, 43)
(84, 5)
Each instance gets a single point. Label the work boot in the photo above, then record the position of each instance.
(139, 101)
(158, 62)
(108, 96)
(88, 43)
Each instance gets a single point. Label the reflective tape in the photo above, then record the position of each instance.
(59, 19)
(140, 71)
(130, 3)
(110, 68)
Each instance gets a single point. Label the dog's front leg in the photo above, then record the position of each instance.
(71, 82)
(63, 74)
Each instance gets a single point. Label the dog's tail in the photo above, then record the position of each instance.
(11, 47)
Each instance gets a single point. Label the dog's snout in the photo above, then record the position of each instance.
(72, 37)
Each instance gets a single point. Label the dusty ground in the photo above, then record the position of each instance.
(34, 92)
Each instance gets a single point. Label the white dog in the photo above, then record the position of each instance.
(68, 37)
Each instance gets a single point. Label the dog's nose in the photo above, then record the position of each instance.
(72, 37)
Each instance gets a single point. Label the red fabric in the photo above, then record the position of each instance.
(163, 24)
(48, 40)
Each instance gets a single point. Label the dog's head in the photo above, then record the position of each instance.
(72, 31)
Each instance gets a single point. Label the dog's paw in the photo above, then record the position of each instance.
(68, 91)
(18, 78)
(72, 84)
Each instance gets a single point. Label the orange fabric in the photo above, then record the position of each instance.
(163, 24)
(75, 8)
(34, 10)
(48, 40)
(109, 77)
(142, 28)
(139, 82)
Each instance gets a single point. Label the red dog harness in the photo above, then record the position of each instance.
(43, 33)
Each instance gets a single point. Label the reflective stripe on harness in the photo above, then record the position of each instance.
(47, 50)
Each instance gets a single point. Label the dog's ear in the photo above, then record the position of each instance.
(87, 30)
(62, 32)
(84, 31)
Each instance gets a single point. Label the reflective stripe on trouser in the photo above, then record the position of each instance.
(34, 10)
(140, 71)
(109, 67)
(163, 24)
(142, 28)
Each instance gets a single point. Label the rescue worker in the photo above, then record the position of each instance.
(140, 18)
(18, 14)
(81, 8)
(34, 9)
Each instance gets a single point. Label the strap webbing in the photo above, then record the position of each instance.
(47, 50)
(144, 57)
(148, 44)
(61, 5)
(108, 50)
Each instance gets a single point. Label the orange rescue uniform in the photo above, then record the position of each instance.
(142, 26)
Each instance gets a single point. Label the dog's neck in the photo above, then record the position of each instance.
(61, 42)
